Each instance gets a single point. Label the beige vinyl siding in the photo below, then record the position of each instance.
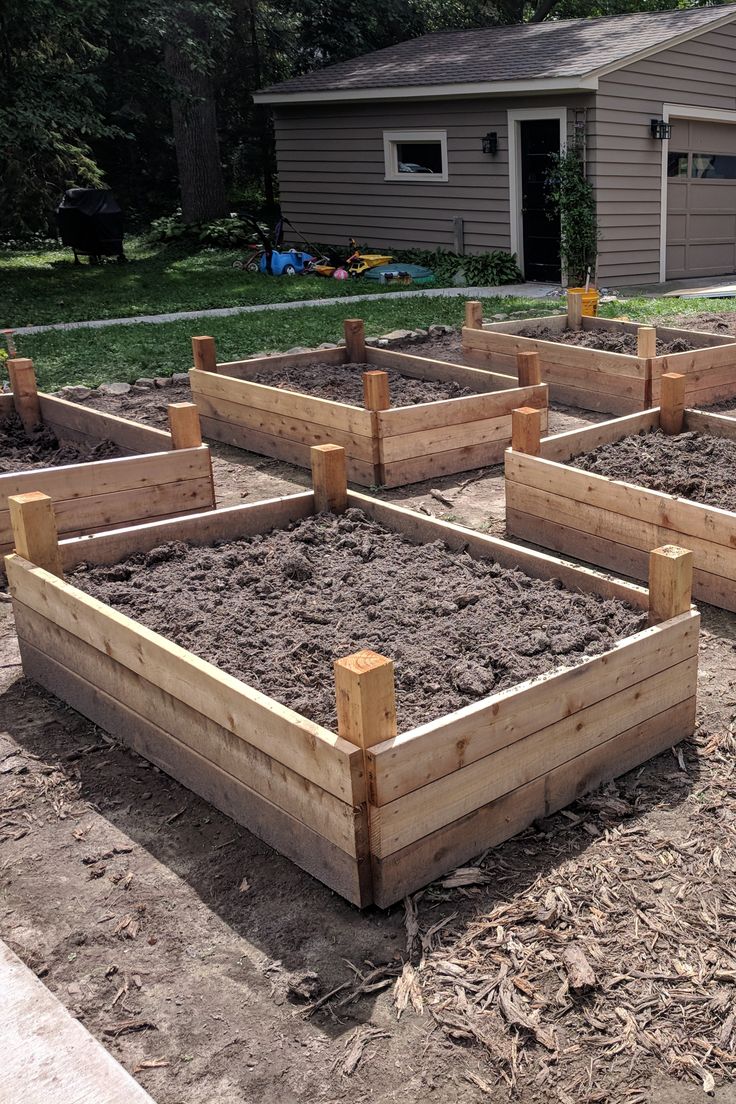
(625, 163)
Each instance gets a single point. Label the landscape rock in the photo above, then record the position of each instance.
(76, 393)
(144, 382)
(178, 377)
(115, 388)
(499, 317)
(438, 330)
(398, 335)
(327, 345)
(297, 349)
(162, 381)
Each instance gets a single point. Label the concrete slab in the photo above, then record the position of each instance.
(48, 1057)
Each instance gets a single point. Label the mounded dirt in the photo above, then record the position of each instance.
(20, 451)
(696, 466)
(611, 341)
(344, 383)
(277, 610)
(718, 322)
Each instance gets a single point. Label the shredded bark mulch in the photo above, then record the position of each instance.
(276, 610)
(21, 452)
(696, 466)
(344, 383)
(610, 341)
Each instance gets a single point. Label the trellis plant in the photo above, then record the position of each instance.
(571, 199)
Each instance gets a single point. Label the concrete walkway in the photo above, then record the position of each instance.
(527, 291)
(48, 1057)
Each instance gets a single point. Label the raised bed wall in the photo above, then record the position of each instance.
(595, 379)
(373, 814)
(385, 447)
(613, 524)
(160, 474)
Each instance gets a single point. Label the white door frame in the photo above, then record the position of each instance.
(516, 116)
(681, 111)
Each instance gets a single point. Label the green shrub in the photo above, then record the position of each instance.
(224, 233)
(479, 269)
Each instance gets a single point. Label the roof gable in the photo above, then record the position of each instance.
(559, 54)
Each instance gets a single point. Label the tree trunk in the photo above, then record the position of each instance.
(195, 131)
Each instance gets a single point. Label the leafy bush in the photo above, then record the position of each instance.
(479, 269)
(224, 233)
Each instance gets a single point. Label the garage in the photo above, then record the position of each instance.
(701, 199)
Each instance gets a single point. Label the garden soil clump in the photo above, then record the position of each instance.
(20, 451)
(276, 610)
(689, 465)
(610, 341)
(344, 383)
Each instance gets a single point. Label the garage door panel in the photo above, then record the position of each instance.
(713, 227)
(701, 212)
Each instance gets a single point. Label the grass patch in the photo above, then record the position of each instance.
(41, 287)
(127, 352)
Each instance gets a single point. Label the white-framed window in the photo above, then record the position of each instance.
(416, 155)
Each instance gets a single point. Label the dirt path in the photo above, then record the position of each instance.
(192, 950)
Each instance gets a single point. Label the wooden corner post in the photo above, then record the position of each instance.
(376, 395)
(474, 314)
(646, 342)
(329, 478)
(34, 530)
(672, 403)
(529, 369)
(526, 430)
(366, 699)
(204, 352)
(354, 330)
(25, 392)
(574, 310)
(670, 582)
(186, 431)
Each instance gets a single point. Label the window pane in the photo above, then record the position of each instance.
(714, 166)
(677, 164)
(419, 157)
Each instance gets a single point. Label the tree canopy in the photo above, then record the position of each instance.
(153, 97)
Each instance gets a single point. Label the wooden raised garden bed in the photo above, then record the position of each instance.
(385, 446)
(157, 474)
(597, 379)
(612, 523)
(372, 813)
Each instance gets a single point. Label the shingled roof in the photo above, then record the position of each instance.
(566, 50)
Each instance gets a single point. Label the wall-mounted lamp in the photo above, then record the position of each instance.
(490, 142)
(660, 129)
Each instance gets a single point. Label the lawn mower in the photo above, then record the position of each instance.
(268, 255)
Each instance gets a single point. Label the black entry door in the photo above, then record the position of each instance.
(540, 138)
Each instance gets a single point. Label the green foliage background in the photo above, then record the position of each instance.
(84, 97)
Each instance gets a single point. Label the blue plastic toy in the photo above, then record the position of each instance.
(292, 262)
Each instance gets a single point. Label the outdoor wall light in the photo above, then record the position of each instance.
(660, 129)
(490, 142)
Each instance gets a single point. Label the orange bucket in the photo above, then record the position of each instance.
(590, 300)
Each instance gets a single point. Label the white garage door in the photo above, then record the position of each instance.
(701, 199)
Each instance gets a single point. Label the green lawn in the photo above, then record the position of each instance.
(127, 352)
(40, 287)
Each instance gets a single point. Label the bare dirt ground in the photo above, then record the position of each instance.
(200, 957)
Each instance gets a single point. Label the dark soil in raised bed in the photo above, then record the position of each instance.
(696, 466)
(611, 341)
(344, 383)
(20, 451)
(148, 405)
(277, 610)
